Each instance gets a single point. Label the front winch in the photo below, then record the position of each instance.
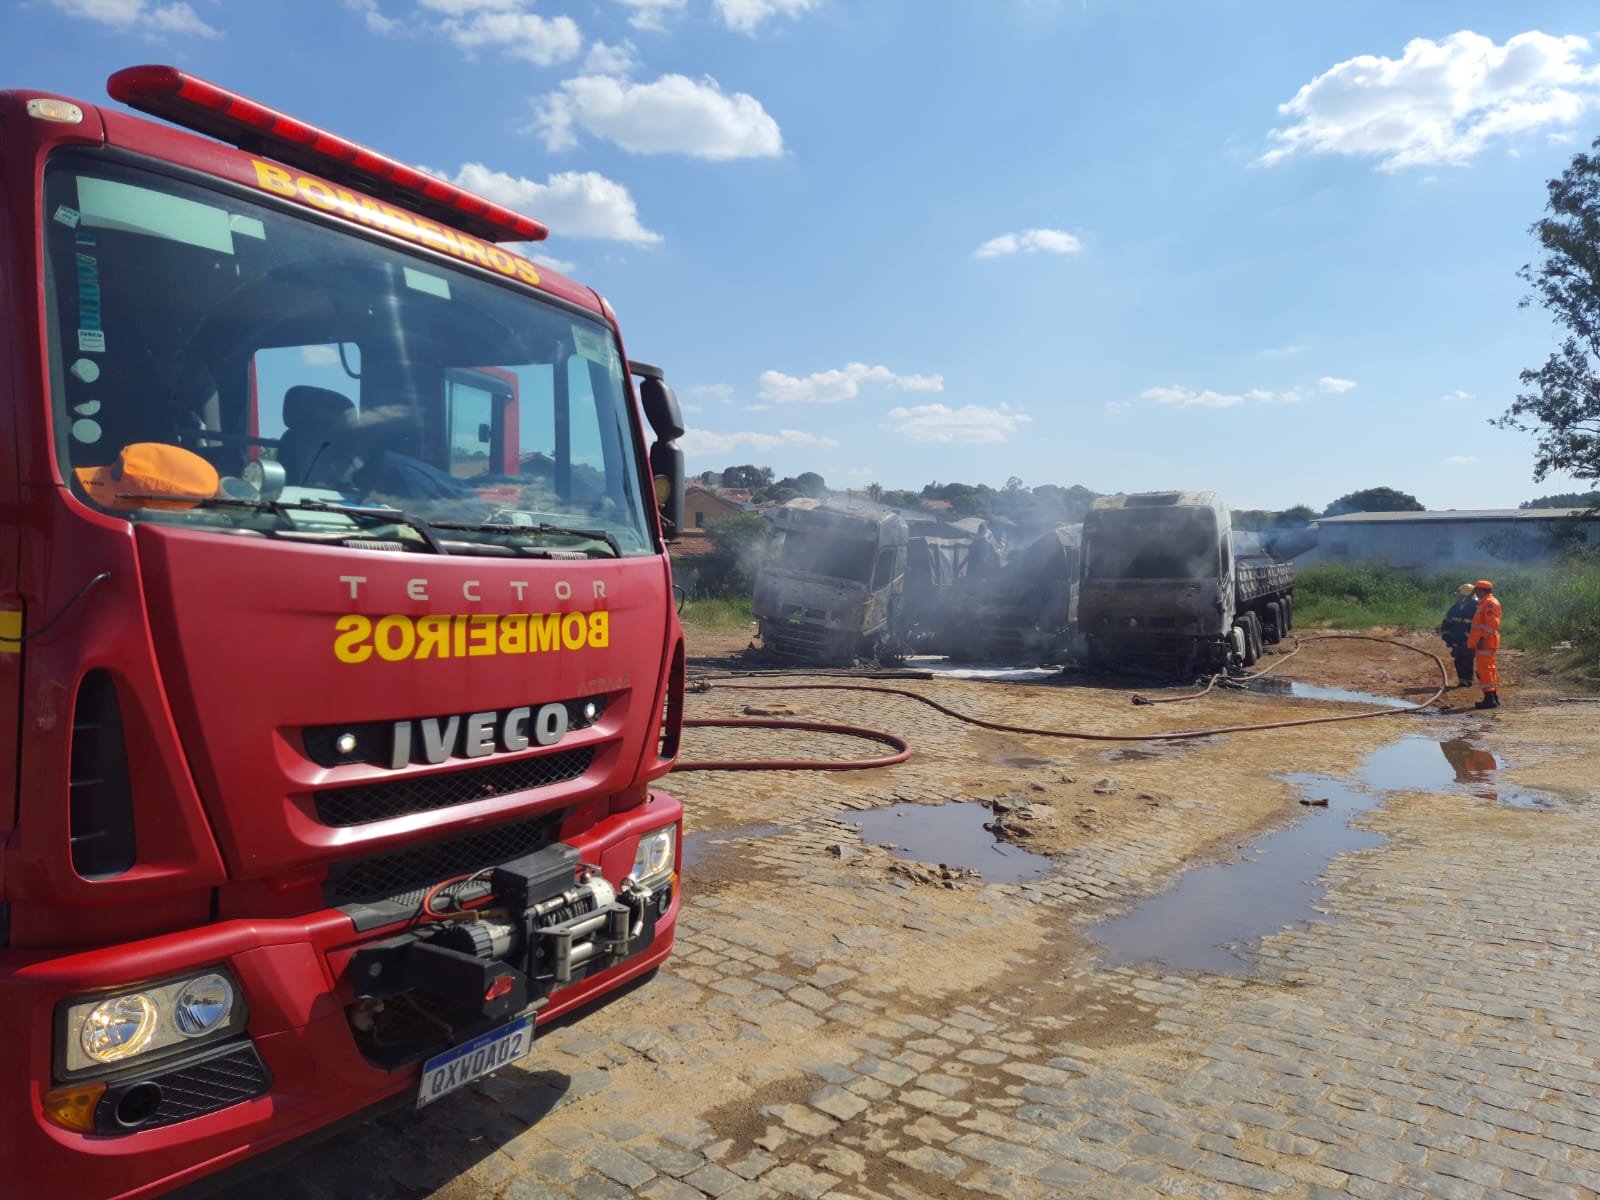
(537, 924)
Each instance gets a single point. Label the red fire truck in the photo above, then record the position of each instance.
(337, 650)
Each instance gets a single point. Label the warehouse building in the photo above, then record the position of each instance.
(1440, 541)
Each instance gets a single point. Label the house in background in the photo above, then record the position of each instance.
(1440, 541)
(701, 506)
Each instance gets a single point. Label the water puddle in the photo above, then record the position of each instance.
(1022, 762)
(1455, 767)
(697, 847)
(950, 834)
(1132, 755)
(1273, 686)
(1214, 910)
(1204, 922)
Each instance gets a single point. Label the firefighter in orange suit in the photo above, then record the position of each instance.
(1484, 640)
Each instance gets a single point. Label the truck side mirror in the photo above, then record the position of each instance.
(666, 465)
(666, 459)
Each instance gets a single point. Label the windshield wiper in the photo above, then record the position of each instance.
(360, 512)
(593, 535)
(356, 512)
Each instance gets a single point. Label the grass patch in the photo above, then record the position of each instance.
(717, 615)
(1551, 610)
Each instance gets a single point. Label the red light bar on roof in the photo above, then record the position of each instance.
(192, 102)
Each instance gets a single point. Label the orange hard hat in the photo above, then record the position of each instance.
(151, 469)
(1483, 585)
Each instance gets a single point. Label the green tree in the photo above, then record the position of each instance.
(1297, 517)
(1560, 403)
(1378, 499)
(1564, 500)
(747, 477)
(874, 491)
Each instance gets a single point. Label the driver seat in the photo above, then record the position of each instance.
(315, 449)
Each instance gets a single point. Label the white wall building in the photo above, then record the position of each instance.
(1431, 541)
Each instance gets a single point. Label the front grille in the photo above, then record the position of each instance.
(404, 876)
(807, 642)
(424, 793)
(230, 1077)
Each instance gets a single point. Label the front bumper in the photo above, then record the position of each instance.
(299, 1064)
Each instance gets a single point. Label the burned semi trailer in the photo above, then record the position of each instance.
(832, 586)
(1164, 589)
(1018, 602)
(939, 557)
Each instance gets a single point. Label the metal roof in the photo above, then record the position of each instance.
(1453, 514)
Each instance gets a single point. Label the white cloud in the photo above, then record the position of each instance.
(832, 387)
(606, 59)
(1458, 394)
(1118, 406)
(573, 204)
(1030, 241)
(319, 356)
(711, 391)
(1440, 102)
(673, 115)
(703, 443)
(1262, 396)
(501, 24)
(746, 15)
(1462, 460)
(376, 21)
(138, 16)
(1333, 386)
(650, 15)
(970, 425)
(1182, 397)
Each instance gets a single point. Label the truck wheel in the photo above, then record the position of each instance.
(1244, 643)
(1272, 628)
(1252, 636)
(1288, 613)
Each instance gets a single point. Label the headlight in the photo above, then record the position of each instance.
(104, 1030)
(656, 856)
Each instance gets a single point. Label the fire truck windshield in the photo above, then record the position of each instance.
(227, 365)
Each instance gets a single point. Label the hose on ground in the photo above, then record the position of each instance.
(904, 751)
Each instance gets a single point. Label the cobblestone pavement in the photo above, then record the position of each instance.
(830, 1028)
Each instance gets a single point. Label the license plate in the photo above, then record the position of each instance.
(444, 1073)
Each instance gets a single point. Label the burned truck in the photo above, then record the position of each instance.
(832, 586)
(1163, 588)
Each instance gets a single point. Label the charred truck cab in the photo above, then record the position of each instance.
(832, 586)
(1162, 588)
(337, 652)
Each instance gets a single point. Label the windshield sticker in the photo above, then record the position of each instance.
(399, 638)
(421, 281)
(307, 189)
(593, 345)
(91, 337)
(247, 226)
(67, 216)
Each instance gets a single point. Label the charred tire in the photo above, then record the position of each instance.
(1288, 613)
(1245, 644)
(1252, 637)
(1272, 629)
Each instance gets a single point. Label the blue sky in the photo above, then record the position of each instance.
(1260, 248)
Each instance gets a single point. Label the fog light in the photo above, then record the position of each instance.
(345, 743)
(591, 710)
(118, 1028)
(202, 1005)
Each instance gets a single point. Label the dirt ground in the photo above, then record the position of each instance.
(1064, 792)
